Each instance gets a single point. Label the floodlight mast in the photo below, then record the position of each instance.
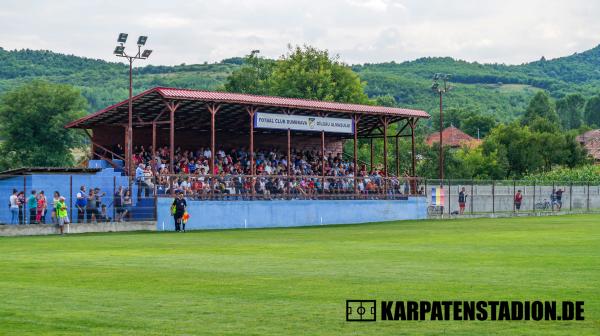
(120, 52)
(441, 89)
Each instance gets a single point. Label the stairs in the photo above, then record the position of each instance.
(143, 210)
(144, 207)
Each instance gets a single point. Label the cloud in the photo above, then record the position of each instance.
(194, 31)
(164, 20)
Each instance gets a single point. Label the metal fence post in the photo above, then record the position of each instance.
(449, 197)
(533, 204)
(588, 197)
(25, 210)
(155, 198)
(71, 198)
(472, 182)
(494, 197)
(571, 197)
(514, 193)
(553, 195)
(114, 216)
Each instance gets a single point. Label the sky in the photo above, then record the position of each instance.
(360, 31)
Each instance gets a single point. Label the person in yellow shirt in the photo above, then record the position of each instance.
(61, 213)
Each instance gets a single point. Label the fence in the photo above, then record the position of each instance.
(269, 187)
(499, 196)
(111, 200)
(102, 199)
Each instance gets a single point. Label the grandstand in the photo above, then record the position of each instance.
(231, 148)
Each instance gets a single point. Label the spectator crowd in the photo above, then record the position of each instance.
(302, 176)
(89, 206)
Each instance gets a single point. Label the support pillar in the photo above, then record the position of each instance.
(323, 159)
(213, 109)
(398, 156)
(251, 111)
(356, 119)
(413, 174)
(385, 122)
(371, 163)
(413, 124)
(289, 153)
(153, 147)
(172, 107)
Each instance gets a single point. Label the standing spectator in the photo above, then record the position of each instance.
(559, 193)
(13, 204)
(128, 204)
(118, 204)
(98, 195)
(139, 180)
(92, 207)
(61, 213)
(42, 206)
(103, 215)
(32, 206)
(178, 209)
(518, 200)
(21, 203)
(462, 201)
(54, 214)
(81, 204)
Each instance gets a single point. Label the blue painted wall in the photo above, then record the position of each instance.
(105, 180)
(260, 214)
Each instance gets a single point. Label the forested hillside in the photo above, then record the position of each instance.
(501, 91)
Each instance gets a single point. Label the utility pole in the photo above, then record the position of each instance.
(440, 86)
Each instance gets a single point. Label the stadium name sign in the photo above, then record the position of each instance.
(303, 123)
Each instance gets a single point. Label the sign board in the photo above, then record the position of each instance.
(303, 123)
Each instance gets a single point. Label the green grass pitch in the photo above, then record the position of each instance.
(296, 281)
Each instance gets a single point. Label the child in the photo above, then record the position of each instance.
(61, 212)
(103, 216)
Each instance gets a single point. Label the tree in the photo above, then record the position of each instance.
(32, 119)
(592, 111)
(253, 77)
(570, 111)
(305, 72)
(540, 106)
(478, 124)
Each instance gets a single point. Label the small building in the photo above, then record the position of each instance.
(591, 141)
(453, 137)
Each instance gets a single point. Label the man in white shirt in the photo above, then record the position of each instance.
(14, 207)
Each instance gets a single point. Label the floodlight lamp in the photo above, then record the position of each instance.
(146, 53)
(119, 50)
(122, 38)
(142, 40)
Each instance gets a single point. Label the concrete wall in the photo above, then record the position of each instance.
(481, 200)
(38, 230)
(261, 214)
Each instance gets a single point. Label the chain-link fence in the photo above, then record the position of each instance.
(32, 199)
(512, 196)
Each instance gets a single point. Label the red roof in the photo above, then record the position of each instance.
(286, 102)
(591, 141)
(453, 137)
(158, 93)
